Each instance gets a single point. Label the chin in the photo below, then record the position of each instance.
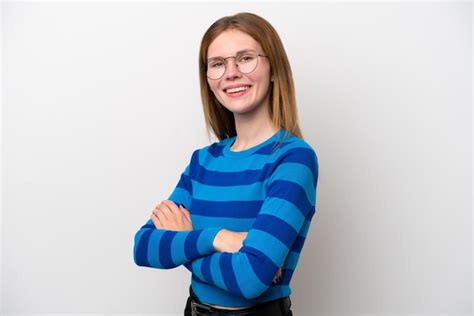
(242, 109)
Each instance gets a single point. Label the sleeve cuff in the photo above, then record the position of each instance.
(206, 240)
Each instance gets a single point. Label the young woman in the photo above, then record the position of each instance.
(240, 213)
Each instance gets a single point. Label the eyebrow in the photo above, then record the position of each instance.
(240, 51)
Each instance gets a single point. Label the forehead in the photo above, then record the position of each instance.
(230, 42)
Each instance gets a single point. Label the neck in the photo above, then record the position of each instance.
(253, 130)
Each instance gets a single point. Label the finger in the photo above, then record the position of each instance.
(173, 208)
(161, 203)
(156, 221)
(164, 211)
(185, 211)
(181, 207)
(159, 212)
(162, 218)
(167, 212)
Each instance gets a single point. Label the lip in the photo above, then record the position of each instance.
(236, 85)
(238, 94)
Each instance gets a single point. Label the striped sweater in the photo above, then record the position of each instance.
(271, 193)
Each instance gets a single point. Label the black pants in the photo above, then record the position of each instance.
(273, 308)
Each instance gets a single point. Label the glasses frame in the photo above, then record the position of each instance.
(235, 56)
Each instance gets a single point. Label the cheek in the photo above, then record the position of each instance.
(214, 86)
(215, 91)
(259, 78)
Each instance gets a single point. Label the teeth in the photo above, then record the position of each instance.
(237, 89)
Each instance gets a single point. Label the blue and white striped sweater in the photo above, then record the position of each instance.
(270, 194)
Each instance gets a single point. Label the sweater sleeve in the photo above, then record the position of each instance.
(289, 202)
(166, 249)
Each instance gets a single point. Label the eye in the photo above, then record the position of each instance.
(246, 58)
(216, 64)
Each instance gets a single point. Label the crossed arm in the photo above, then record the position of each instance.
(171, 223)
(286, 211)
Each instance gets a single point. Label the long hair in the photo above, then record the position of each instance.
(283, 110)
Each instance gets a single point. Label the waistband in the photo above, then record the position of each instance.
(274, 307)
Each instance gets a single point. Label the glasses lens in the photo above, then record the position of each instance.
(247, 62)
(215, 68)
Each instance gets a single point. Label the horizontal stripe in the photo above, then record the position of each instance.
(231, 223)
(249, 192)
(238, 174)
(185, 183)
(291, 192)
(251, 189)
(284, 210)
(296, 173)
(271, 246)
(237, 209)
(276, 227)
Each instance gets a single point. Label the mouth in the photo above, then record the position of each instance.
(237, 92)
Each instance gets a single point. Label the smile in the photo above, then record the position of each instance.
(237, 92)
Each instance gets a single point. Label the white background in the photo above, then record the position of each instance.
(101, 112)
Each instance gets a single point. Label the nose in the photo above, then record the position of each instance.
(232, 71)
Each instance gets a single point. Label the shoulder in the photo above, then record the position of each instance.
(296, 161)
(214, 150)
(210, 147)
(296, 148)
(203, 155)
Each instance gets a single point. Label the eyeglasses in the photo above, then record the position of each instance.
(246, 63)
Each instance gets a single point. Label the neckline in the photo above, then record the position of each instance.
(247, 152)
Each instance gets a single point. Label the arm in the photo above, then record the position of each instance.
(166, 249)
(289, 204)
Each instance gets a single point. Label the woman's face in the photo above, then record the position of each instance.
(228, 43)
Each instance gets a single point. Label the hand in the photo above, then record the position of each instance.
(229, 241)
(167, 215)
(277, 276)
